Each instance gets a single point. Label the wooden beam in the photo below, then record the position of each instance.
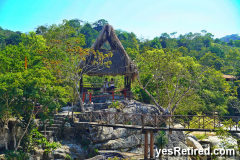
(151, 144)
(125, 82)
(145, 145)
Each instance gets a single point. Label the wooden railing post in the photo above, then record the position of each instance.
(90, 97)
(151, 144)
(125, 93)
(83, 98)
(199, 122)
(214, 122)
(169, 122)
(113, 95)
(203, 123)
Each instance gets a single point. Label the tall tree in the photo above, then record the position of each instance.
(173, 76)
(98, 25)
(41, 29)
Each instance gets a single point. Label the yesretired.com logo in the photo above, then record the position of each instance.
(191, 151)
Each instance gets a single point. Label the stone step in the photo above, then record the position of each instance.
(76, 119)
(60, 118)
(52, 128)
(47, 132)
(58, 121)
(61, 115)
(53, 125)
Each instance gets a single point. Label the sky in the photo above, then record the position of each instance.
(146, 18)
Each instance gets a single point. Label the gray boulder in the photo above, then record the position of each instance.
(120, 143)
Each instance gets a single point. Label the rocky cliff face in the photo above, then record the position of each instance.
(122, 139)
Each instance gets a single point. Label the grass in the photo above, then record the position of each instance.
(76, 112)
(201, 136)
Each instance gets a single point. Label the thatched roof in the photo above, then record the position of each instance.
(121, 63)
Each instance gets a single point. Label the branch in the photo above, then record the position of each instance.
(169, 104)
(189, 88)
(25, 130)
(159, 107)
(148, 82)
(176, 88)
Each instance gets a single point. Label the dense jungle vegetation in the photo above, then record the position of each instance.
(215, 56)
(184, 73)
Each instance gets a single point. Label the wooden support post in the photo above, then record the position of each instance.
(151, 144)
(146, 145)
(90, 97)
(125, 93)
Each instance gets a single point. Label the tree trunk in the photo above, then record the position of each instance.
(14, 134)
(24, 131)
(5, 139)
(45, 129)
(80, 99)
(14, 138)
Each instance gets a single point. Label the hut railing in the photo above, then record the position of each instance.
(113, 93)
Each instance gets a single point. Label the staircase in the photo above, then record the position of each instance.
(53, 127)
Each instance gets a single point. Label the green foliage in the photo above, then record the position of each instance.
(237, 43)
(174, 61)
(98, 25)
(197, 122)
(129, 123)
(114, 105)
(90, 34)
(162, 139)
(85, 143)
(226, 137)
(201, 136)
(68, 157)
(10, 155)
(96, 151)
(36, 139)
(163, 71)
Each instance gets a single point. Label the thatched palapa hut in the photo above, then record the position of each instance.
(121, 62)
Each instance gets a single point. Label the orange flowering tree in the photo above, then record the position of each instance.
(69, 61)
